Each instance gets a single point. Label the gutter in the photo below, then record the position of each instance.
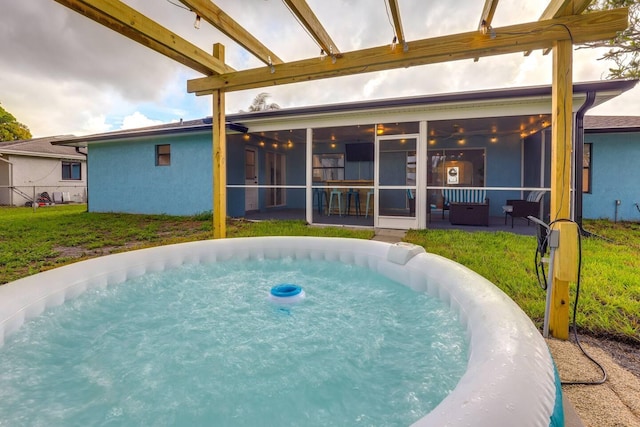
(86, 180)
(38, 154)
(234, 121)
(613, 130)
(579, 154)
(10, 179)
(445, 98)
(171, 129)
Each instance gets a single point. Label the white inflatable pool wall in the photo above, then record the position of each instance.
(510, 377)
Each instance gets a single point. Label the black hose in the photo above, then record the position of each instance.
(575, 307)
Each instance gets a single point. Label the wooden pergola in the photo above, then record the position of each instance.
(561, 25)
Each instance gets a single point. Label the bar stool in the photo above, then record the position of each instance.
(320, 197)
(356, 201)
(338, 193)
(369, 194)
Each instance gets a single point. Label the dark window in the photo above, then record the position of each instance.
(328, 167)
(163, 155)
(71, 170)
(586, 168)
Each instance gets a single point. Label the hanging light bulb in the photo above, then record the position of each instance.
(333, 57)
(394, 42)
(322, 55)
(484, 28)
(196, 24)
(272, 69)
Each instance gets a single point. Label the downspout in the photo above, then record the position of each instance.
(579, 153)
(86, 180)
(10, 179)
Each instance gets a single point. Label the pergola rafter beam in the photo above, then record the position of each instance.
(397, 21)
(127, 21)
(511, 39)
(486, 18)
(488, 11)
(228, 26)
(310, 21)
(558, 8)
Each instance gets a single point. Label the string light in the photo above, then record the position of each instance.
(333, 57)
(485, 29)
(271, 67)
(394, 42)
(322, 55)
(196, 24)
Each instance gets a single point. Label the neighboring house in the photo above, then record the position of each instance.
(31, 167)
(612, 167)
(391, 157)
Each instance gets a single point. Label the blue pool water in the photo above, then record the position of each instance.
(202, 345)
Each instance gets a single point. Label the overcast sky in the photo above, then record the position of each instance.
(61, 73)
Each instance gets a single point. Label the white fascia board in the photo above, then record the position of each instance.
(439, 111)
(44, 155)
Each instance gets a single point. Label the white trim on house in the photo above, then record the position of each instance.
(45, 155)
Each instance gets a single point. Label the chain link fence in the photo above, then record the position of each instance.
(41, 195)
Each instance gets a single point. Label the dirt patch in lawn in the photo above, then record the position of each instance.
(79, 252)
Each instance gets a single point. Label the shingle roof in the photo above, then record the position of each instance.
(39, 146)
(612, 123)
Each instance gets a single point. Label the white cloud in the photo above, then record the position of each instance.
(63, 73)
(95, 124)
(371, 86)
(138, 120)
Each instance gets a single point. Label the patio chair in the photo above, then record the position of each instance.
(455, 195)
(523, 208)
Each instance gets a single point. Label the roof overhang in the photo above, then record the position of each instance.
(143, 133)
(23, 153)
(610, 130)
(540, 96)
(604, 90)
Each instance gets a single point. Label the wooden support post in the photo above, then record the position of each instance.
(219, 159)
(561, 149)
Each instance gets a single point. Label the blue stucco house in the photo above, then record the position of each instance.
(386, 163)
(610, 168)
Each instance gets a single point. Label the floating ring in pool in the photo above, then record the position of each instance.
(286, 293)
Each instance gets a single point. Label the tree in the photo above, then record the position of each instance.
(11, 129)
(260, 103)
(624, 50)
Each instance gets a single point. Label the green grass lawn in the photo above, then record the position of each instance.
(31, 242)
(610, 288)
(609, 303)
